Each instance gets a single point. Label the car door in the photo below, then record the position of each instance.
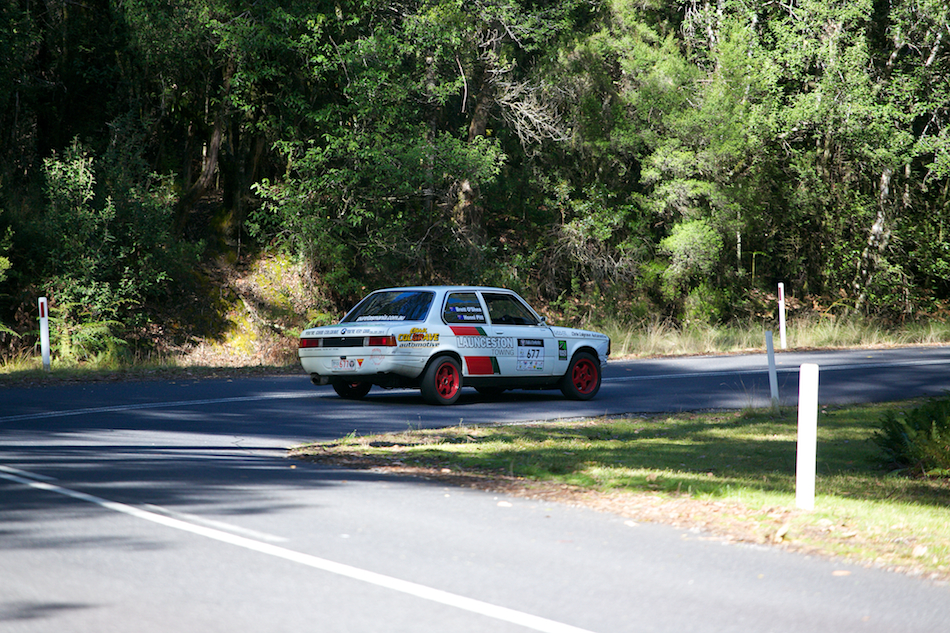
(464, 315)
(534, 348)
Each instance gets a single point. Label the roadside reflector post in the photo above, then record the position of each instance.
(781, 313)
(805, 467)
(44, 331)
(773, 376)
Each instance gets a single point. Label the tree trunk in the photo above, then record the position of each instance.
(210, 153)
(878, 239)
(486, 98)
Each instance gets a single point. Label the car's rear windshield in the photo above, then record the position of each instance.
(392, 305)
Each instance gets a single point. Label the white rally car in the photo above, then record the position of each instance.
(441, 338)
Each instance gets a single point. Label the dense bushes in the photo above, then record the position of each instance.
(918, 440)
(103, 252)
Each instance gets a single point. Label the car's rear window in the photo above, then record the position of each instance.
(392, 305)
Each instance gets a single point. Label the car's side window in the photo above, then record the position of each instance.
(504, 309)
(463, 307)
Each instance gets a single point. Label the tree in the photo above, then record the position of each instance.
(387, 174)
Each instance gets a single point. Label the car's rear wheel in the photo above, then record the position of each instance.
(442, 381)
(352, 390)
(582, 380)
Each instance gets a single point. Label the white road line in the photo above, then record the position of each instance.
(690, 376)
(23, 473)
(764, 370)
(218, 525)
(152, 405)
(388, 582)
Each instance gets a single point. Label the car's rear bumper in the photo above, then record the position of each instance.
(360, 363)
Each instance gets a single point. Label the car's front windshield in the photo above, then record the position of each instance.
(505, 309)
(392, 305)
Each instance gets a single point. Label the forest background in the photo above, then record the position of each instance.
(620, 159)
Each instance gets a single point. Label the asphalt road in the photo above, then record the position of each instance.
(171, 506)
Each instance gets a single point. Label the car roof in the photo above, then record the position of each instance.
(445, 288)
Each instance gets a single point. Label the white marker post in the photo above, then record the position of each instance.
(773, 376)
(781, 313)
(807, 437)
(44, 331)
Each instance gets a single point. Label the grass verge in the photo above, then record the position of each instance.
(34, 376)
(727, 473)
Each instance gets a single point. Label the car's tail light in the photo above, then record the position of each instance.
(381, 341)
(310, 342)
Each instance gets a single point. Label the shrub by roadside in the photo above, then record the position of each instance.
(918, 440)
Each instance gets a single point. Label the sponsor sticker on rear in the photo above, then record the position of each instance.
(419, 337)
(346, 364)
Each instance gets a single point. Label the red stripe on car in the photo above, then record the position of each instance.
(480, 365)
(467, 330)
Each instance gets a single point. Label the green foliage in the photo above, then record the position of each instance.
(77, 335)
(5, 243)
(113, 253)
(918, 440)
(599, 241)
(379, 187)
(5, 266)
(707, 305)
(5, 262)
(694, 248)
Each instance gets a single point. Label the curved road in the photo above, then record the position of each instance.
(171, 506)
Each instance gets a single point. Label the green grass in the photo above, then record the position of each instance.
(729, 472)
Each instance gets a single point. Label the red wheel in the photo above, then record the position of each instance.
(582, 380)
(442, 381)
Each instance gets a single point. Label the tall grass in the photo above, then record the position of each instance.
(658, 337)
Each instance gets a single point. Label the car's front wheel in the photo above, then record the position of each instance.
(582, 380)
(442, 381)
(352, 390)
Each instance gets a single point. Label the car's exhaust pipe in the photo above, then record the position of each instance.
(319, 380)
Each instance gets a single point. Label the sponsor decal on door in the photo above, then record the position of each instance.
(530, 354)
